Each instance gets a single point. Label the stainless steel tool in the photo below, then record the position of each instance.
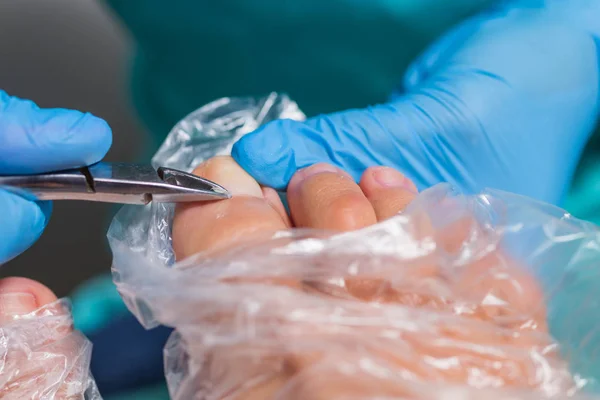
(121, 183)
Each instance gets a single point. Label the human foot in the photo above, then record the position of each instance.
(319, 197)
(42, 356)
(322, 197)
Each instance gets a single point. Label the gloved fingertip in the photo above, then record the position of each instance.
(46, 209)
(34, 140)
(91, 136)
(21, 223)
(267, 154)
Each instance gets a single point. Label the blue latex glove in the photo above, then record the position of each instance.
(506, 100)
(34, 140)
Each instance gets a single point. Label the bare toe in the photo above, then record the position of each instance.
(388, 191)
(212, 226)
(20, 296)
(324, 197)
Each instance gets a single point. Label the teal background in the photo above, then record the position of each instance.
(327, 55)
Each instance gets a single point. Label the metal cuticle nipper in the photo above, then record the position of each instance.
(121, 183)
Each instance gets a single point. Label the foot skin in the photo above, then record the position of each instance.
(40, 351)
(320, 197)
(39, 334)
(324, 197)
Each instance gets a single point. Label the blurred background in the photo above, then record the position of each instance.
(70, 54)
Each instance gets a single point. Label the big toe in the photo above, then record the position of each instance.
(40, 351)
(223, 224)
(21, 296)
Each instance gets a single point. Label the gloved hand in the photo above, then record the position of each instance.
(34, 140)
(506, 100)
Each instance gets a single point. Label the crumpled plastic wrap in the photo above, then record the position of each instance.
(42, 357)
(492, 296)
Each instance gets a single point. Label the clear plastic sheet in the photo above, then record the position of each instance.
(492, 296)
(42, 357)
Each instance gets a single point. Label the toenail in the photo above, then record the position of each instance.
(389, 177)
(235, 179)
(15, 304)
(317, 169)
